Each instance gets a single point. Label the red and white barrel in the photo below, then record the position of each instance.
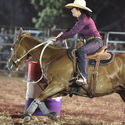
(34, 90)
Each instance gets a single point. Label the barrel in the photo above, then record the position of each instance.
(34, 90)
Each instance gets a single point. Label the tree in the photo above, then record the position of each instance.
(105, 14)
(50, 12)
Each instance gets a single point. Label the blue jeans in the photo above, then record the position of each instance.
(90, 47)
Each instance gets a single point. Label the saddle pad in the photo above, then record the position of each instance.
(92, 62)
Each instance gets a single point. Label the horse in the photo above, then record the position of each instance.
(58, 70)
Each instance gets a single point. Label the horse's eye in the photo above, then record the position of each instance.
(11, 48)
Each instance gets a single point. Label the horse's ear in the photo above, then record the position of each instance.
(20, 33)
(28, 33)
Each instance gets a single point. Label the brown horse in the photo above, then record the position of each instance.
(58, 69)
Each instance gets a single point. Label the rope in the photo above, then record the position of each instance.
(18, 60)
(40, 60)
(41, 55)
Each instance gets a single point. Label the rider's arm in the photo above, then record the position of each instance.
(76, 29)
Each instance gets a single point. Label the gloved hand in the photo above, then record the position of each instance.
(54, 39)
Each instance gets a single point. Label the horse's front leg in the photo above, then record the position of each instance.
(52, 89)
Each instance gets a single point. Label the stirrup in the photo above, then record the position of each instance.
(81, 80)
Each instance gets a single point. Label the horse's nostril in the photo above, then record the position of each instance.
(11, 65)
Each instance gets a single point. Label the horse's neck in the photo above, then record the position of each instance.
(29, 43)
(49, 54)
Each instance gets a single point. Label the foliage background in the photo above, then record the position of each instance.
(107, 14)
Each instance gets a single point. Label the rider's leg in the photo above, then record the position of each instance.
(82, 53)
(82, 64)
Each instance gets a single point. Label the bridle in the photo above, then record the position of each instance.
(41, 55)
(40, 59)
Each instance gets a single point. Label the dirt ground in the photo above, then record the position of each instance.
(107, 110)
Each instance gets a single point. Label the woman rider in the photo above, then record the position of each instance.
(85, 27)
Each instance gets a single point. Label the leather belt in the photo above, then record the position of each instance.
(93, 37)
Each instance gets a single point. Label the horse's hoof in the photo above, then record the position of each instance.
(52, 116)
(26, 119)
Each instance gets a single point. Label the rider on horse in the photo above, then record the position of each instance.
(85, 27)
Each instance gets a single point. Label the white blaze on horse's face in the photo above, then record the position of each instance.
(17, 52)
(11, 61)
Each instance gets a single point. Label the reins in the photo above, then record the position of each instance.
(18, 60)
(40, 60)
(41, 55)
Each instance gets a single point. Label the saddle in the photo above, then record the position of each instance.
(101, 57)
(100, 54)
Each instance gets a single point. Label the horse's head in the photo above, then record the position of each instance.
(15, 60)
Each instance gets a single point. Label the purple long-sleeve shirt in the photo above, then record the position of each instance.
(85, 27)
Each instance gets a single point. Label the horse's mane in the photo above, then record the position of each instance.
(31, 39)
(26, 37)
